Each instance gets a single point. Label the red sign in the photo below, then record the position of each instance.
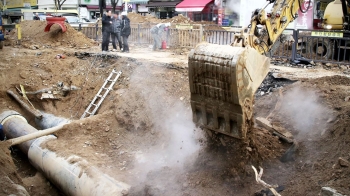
(220, 16)
(305, 20)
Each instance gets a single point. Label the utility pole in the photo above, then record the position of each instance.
(126, 5)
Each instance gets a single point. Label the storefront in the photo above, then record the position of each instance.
(139, 6)
(162, 9)
(94, 9)
(196, 10)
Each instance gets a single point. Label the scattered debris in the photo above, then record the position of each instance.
(23, 92)
(347, 98)
(84, 55)
(267, 192)
(276, 130)
(343, 162)
(55, 92)
(60, 56)
(259, 181)
(30, 109)
(271, 83)
(289, 154)
(327, 191)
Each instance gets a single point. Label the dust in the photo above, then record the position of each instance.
(164, 163)
(308, 116)
(245, 16)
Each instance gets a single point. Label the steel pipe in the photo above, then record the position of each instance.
(73, 175)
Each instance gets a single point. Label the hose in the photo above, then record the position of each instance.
(307, 9)
(291, 12)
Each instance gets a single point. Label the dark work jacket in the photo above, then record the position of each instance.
(116, 25)
(126, 30)
(106, 25)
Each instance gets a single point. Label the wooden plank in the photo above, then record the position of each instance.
(279, 131)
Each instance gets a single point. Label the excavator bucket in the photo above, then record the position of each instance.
(223, 80)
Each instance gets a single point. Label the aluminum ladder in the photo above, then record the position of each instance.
(98, 99)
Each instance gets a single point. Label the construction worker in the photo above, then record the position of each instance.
(157, 33)
(106, 30)
(116, 28)
(36, 17)
(125, 31)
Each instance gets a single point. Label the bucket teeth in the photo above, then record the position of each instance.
(223, 80)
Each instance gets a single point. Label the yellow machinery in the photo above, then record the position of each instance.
(334, 18)
(224, 79)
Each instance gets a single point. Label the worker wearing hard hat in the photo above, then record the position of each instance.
(157, 33)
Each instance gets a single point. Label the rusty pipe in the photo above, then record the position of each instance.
(73, 175)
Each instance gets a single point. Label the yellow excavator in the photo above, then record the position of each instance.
(224, 78)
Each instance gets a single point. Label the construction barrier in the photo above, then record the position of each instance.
(326, 46)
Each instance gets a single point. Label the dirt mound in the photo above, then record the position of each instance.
(33, 36)
(8, 174)
(178, 19)
(137, 18)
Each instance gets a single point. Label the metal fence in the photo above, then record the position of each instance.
(219, 37)
(324, 46)
(184, 36)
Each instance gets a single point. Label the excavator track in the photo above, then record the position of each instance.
(223, 81)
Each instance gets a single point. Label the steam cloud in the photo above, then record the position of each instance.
(244, 9)
(302, 108)
(161, 166)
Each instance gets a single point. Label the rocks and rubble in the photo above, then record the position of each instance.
(343, 162)
(279, 131)
(55, 92)
(271, 83)
(327, 191)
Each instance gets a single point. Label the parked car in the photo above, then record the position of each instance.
(74, 21)
(43, 17)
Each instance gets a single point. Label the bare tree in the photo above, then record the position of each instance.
(114, 4)
(102, 5)
(59, 3)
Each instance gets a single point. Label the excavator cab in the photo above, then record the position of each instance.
(223, 79)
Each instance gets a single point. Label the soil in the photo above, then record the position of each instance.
(143, 134)
(33, 37)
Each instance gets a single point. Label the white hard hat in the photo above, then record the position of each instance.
(124, 14)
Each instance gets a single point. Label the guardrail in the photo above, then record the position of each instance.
(324, 46)
(183, 35)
